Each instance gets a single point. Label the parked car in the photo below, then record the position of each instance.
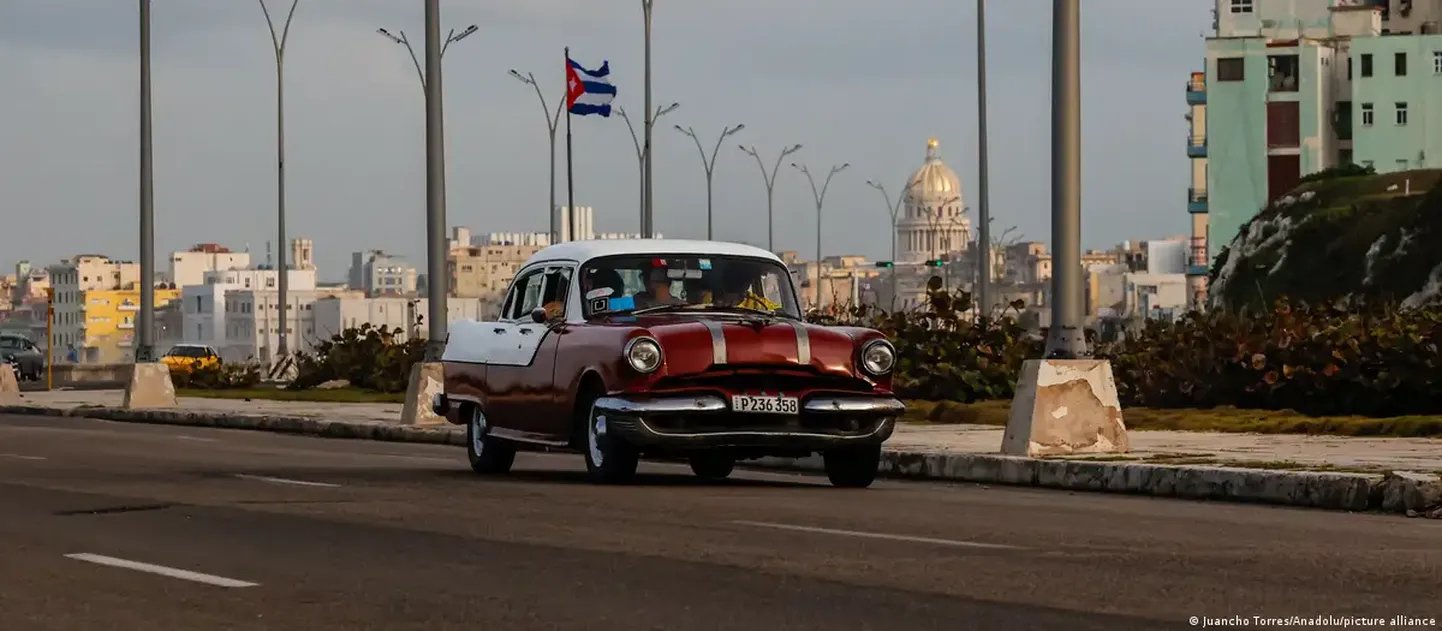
(694, 350)
(24, 357)
(189, 357)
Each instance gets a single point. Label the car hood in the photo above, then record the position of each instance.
(700, 343)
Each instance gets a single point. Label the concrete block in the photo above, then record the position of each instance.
(427, 380)
(9, 386)
(1065, 407)
(149, 386)
(1404, 491)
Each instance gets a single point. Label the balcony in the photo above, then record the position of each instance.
(1197, 264)
(1196, 145)
(1196, 200)
(1197, 89)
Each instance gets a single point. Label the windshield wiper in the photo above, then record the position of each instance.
(661, 308)
(706, 307)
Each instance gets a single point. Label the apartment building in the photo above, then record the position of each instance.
(189, 267)
(380, 274)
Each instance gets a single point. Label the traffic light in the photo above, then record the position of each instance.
(884, 264)
(934, 263)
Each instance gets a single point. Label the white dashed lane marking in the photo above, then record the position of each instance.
(185, 575)
(879, 535)
(262, 478)
(21, 457)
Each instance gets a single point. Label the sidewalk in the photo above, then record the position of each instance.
(1393, 475)
(1416, 454)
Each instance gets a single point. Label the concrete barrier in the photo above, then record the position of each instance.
(1409, 493)
(86, 374)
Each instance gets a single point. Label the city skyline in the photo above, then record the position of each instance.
(354, 118)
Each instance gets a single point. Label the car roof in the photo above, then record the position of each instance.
(582, 251)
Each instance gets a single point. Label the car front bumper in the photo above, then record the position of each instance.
(707, 421)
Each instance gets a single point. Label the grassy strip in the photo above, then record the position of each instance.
(338, 395)
(1230, 420)
(995, 413)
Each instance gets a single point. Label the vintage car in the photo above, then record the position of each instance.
(693, 350)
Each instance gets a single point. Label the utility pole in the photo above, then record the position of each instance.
(648, 218)
(552, 120)
(983, 291)
(435, 188)
(144, 338)
(1066, 338)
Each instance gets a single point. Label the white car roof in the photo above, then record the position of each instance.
(582, 251)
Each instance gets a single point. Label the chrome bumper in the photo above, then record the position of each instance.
(640, 422)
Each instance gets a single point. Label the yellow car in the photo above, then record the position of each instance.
(188, 357)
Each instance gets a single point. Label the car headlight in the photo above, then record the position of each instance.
(878, 357)
(7, 358)
(644, 354)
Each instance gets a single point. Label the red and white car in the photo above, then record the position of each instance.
(669, 349)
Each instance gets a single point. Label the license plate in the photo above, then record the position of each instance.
(765, 404)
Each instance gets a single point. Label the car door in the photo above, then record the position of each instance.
(518, 372)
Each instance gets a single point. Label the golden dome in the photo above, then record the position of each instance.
(934, 182)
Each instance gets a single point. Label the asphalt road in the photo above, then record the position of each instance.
(286, 532)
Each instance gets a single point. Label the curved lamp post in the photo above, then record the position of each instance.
(820, 197)
(400, 38)
(770, 180)
(643, 159)
(552, 120)
(710, 167)
(278, 39)
(894, 210)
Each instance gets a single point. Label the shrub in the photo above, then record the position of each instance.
(1320, 360)
(942, 354)
(372, 358)
(245, 374)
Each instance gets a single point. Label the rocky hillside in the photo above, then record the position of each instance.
(1343, 235)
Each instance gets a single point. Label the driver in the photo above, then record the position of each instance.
(658, 290)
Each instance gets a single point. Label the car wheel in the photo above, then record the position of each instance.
(712, 466)
(488, 454)
(852, 467)
(609, 458)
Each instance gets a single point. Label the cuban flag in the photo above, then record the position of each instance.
(588, 91)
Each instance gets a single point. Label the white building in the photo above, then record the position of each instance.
(933, 225)
(189, 267)
(379, 274)
(251, 320)
(586, 228)
(335, 314)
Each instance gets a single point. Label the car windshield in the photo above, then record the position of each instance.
(187, 351)
(629, 284)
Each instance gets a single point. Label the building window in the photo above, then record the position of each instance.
(1401, 113)
(1367, 64)
(1401, 165)
(1231, 69)
(1367, 115)
(1242, 6)
(1437, 62)
(1399, 63)
(1283, 72)
(1349, 68)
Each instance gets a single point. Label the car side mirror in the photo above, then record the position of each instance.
(538, 315)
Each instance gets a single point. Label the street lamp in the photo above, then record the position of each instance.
(894, 210)
(1066, 339)
(400, 38)
(983, 290)
(643, 159)
(770, 188)
(278, 40)
(648, 226)
(936, 238)
(709, 166)
(145, 343)
(820, 197)
(552, 120)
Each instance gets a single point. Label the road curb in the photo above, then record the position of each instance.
(1410, 493)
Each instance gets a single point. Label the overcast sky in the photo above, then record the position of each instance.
(854, 81)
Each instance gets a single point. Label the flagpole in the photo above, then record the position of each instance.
(570, 178)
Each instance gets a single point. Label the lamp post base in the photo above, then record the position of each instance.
(1065, 407)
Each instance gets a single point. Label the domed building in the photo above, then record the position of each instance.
(933, 225)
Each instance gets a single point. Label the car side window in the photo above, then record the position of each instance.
(8, 343)
(558, 282)
(525, 295)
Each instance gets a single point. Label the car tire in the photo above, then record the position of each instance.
(852, 467)
(712, 466)
(609, 458)
(488, 455)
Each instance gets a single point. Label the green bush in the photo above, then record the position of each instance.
(942, 354)
(217, 376)
(1319, 360)
(371, 358)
